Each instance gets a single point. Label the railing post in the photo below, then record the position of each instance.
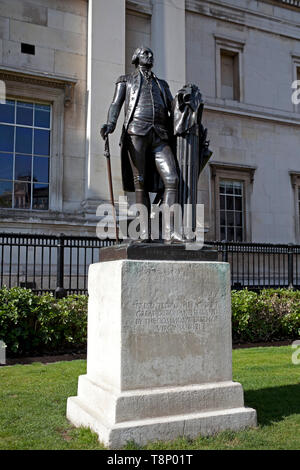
(224, 253)
(60, 292)
(290, 266)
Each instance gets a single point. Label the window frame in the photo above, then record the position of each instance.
(235, 74)
(236, 48)
(15, 125)
(56, 98)
(242, 197)
(230, 172)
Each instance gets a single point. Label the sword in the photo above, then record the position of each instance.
(107, 155)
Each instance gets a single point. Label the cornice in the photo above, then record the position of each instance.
(36, 78)
(250, 170)
(141, 6)
(246, 17)
(253, 112)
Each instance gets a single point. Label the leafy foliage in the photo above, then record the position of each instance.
(271, 315)
(31, 323)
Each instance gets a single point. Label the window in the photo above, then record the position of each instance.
(232, 187)
(229, 75)
(229, 68)
(231, 211)
(25, 135)
(41, 96)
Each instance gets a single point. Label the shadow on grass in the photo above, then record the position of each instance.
(274, 404)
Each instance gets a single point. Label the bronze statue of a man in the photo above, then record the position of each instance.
(148, 163)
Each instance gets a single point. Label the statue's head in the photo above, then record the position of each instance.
(143, 56)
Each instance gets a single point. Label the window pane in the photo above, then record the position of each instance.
(40, 196)
(223, 235)
(41, 169)
(222, 202)
(229, 203)
(7, 111)
(229, 188)
(41, 142)
(238, 203)
(24, 113)
(222, 187)
(23, 167)
(42, 116)
(230, 218)
(23, 140)
(237, 188)
(238, 219)
(22, 196)
(239, 235)
(6, 166)
(222, 218)
(5, 194)
(230, 234)
(6, 138)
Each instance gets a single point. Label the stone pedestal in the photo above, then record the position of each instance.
(159, 353)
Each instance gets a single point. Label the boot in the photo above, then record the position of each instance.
(143, 198)
(173, 236)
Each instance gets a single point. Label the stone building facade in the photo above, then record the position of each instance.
(59, 60)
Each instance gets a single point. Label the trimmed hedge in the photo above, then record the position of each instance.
(271, 315)
(32, 324)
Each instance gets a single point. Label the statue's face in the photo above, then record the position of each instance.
(146, 57)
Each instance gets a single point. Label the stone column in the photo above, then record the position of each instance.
(168, 41)
(106, 62)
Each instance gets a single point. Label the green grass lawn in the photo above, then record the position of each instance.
(33, 405)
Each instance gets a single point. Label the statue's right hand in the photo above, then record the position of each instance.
(106, 129)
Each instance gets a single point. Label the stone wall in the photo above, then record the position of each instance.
(262, 130)
(58, 30)
(259, 132)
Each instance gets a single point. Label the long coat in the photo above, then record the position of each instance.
(127, 90)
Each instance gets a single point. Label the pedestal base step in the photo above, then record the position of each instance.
(164, 428)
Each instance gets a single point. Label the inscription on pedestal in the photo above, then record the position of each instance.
(160, 317)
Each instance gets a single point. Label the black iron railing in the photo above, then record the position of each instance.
(48, 263)
(59, 264)
(261, 265)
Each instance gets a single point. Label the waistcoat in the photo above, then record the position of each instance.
(150, 111)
